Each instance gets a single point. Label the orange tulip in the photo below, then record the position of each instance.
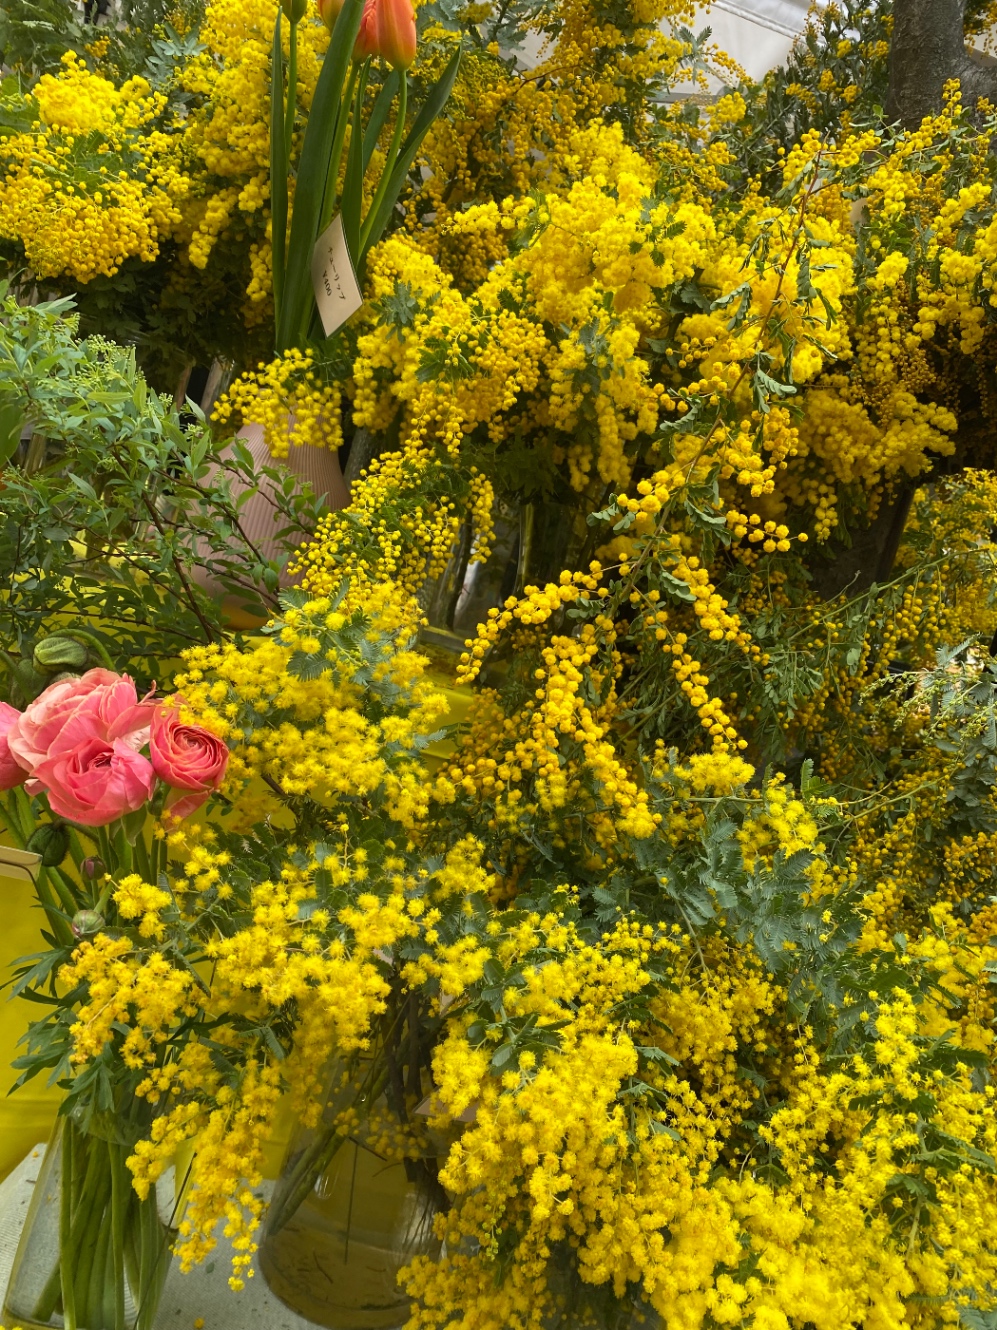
(328, 11)
(387, 29)
(395, 27)
(366, 44)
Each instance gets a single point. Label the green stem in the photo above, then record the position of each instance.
(120, 1188)
(143, 1252)
(77, 850)
(104, 844)
(100, 904)
(389, 163)
(25, 811)
(59, 926)
(292, 91)
(98, 1279)
(64, 888)
(309, 1168)
(80, 1205)
(142, 864)
(82, 1256)
(131, 1245)
(278, 172)
(63, 1267)
(336, 156)
(120, 850)
(108, 1298)
(99, 647)
(12, 819)
(156, 1262)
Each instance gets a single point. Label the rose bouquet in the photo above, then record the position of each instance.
(92, 775)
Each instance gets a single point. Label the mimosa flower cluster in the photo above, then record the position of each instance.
(692, 917)
(95, 179)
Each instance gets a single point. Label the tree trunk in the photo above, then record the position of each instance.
(871, 555)
(928, 49)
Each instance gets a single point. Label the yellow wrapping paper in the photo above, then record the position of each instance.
(26, 1116)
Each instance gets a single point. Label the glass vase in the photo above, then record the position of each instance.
(533, 541)
(92, 1255)
(355, 1203)
(576, 1305)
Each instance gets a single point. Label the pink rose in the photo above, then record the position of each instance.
(92, 779)
(11, 771)
(109, 698)
(185, 757)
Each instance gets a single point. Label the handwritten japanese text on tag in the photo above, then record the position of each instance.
(337, 294)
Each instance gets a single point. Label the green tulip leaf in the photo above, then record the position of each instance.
(428, 113)
(313, 166)
(353, 183)
(278, 169)
(379, 115)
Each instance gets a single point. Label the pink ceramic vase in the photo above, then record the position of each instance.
(258, 516)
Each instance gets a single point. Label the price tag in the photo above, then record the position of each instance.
(337, 294)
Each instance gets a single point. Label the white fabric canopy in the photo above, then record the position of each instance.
(757, 33)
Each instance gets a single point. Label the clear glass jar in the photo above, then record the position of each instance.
(92, 1255)
(354, 1204)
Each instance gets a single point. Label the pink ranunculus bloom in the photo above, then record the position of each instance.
(185, 757)
(92, 779)
(107, 697)
(11, 771)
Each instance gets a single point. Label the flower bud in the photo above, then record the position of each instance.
(328, 11)
(86, 923)
(395, 27)
(29, 681)
(59, 652)
(50, 842)
(294, 9)
(93, 867)
(387, 29)
(366, 43)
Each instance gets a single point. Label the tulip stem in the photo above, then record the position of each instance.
(278, 172)
(336, 156)
(292, 90)
(389, 163)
